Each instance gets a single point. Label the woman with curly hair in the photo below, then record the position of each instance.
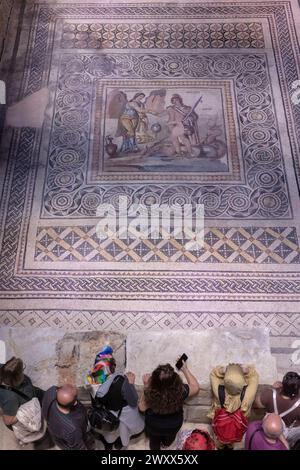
(162, 402)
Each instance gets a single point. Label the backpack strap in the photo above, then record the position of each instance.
(286, 412)
(275, 401)
(221, 393)
(243, 393)
(251, 438)
(15, 390)
(48, 411)
(119, 378)
(50, 405)
(292, 408)
(111, 399)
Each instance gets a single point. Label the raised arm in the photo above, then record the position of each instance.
(252, 379)
(216, 379)
(191, 380)
(9, 410)
(128, 390)
(142, 402)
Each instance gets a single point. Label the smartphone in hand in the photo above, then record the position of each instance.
(180, 361)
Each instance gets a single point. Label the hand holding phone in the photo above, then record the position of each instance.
(181, 360)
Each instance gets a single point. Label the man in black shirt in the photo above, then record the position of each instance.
(66, 417)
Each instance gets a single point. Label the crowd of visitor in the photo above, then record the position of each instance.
(118, 413)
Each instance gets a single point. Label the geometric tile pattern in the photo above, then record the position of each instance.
(221, 245)
(162, 35)
(22, 284)
(279, 324)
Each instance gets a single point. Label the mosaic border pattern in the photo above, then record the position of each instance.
(221, 245)
(162, 35)
(279, 324)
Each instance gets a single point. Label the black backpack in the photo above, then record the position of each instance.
(100, 416)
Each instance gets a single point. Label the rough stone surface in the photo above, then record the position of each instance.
(37, 348)
(53, 357)
(205, 350)
(76, 352)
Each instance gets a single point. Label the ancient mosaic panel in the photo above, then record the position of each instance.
(238, 153)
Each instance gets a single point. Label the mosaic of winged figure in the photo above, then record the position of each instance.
(132, 120)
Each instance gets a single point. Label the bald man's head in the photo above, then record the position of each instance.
(67, 396)
(272, 426)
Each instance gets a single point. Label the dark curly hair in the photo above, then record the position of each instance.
(166, 392)
(291, 384)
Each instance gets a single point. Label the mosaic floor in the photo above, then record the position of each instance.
(235, 65)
